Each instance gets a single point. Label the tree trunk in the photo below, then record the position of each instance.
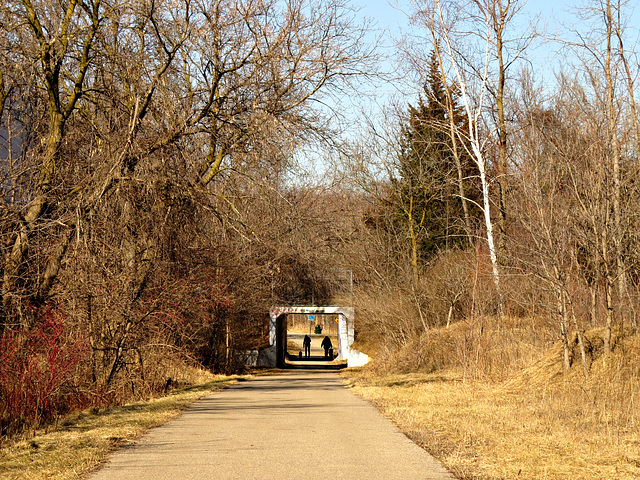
(477, 155)
(630, 88)
(608, 346)
(54, 264)
(413, 237)
(593, 309)
(502, 132)
(455, 150)
(566, 351)
(615, 165)
(15, 258)
(54, 47)
(580, 337)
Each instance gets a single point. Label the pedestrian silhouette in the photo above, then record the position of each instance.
(306, 343)
(326, 344)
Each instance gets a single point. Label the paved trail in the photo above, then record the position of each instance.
(294, 425)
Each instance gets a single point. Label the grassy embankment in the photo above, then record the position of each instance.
(498, 407)
(489, 403)
(79, 443)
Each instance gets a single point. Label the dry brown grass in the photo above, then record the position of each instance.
(479, 348)
(79, 443)
(531, 422)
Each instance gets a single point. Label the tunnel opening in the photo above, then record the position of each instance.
(312, 338)
(290, 325)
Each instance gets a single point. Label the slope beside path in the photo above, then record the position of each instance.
(298, 424)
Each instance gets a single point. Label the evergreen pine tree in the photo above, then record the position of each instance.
(428, 201)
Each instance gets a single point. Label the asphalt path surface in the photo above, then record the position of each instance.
(293, 425)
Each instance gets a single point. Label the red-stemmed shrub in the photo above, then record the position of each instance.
(41, 373)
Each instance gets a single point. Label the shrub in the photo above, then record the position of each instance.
(40, 373)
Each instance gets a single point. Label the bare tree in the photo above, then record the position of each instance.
(59, 39)
(546, 214)
(604, 66)
(436, 18)
(224, 78)
(500, 15)
(157, 136)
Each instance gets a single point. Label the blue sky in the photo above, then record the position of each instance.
(552, 11)
(555, 17)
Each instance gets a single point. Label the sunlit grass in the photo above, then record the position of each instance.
(556, 427)
(79, 443)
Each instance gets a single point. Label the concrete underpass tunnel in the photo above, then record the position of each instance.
(319, 330)
(341, 334)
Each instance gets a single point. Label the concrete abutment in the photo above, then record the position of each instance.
(275, 354)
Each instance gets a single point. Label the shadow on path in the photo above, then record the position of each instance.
(296, 424)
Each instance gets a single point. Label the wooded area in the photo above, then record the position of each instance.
(153, 212)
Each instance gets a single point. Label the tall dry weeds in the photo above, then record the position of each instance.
(500, 405)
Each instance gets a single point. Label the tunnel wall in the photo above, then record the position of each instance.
(346, 332)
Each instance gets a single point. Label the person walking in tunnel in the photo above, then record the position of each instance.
(326, 344)
(306, 343)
